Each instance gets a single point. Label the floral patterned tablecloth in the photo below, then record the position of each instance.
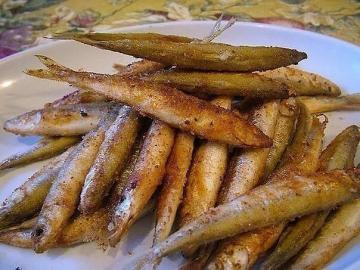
(24, 22)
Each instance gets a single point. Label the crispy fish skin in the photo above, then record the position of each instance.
(288, 113)
(173, 185)
(205, 177)
(301, 157)
(203, 56)
(321, 104)
(339, 154)
(67, 120)
(94, 227)
(265, 205)
(44, 149)
(112, 156)
(27, 199)
(229, 84)
(63, 197)
(343, 226)
(302, 83)
(164, 103)
(143, 180)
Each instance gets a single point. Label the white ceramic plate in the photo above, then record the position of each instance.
(332, 58)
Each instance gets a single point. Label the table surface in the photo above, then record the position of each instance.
(23, 23)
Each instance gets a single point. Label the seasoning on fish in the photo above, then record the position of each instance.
(27, 224)
(246, 167)
(245, 170)
(283, 134)
(167, 104)
(173, 185)
(84, 96)
(203, 56)
(301, 157)
(217, 83)
(302, 83)
(81, 229)
(146, 176)
(112, 156)
(342, 227)
(263, 206)
(26, 200)
(62, 199)
(339, 154)
(205, 177)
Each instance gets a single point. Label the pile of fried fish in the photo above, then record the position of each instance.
(225, 142)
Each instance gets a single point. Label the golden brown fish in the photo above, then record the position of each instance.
(26, 200)
(263, 206)
(80, 229)
(67, 120)
(172, 51)
(173, 185)
(342, 226)
(143, 180)
(112, 156)
(284, 131)
(245, 170)
(246, 167)
(62, 199)
(303, 83)
(83, 96)
(27, 224)
(321, 104)
(83, 228)
(301, 157)
(205, 177)
(339, 154)
(228, 84)
(164, 103)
